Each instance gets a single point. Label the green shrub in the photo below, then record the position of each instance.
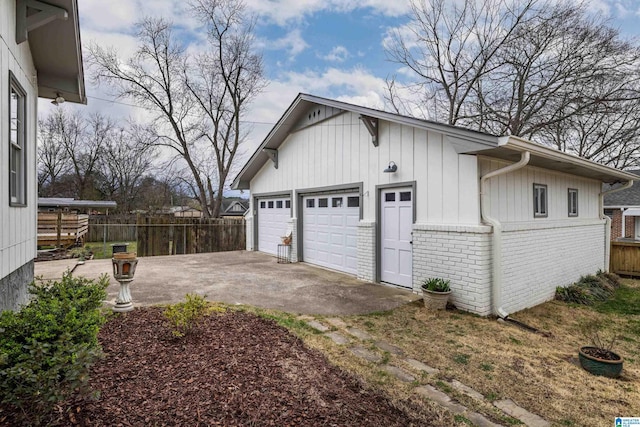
(436, 285)
(589, 289)
(185, 316)
(47, 348)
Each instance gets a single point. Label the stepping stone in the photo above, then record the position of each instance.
(337, 322)
(358, 333)
(422, 367)
(366, 354)
(399, 373)
(445, 401)
(467, 390)
(509, 407)
(317, 325)
(338, 338)
(390, 348)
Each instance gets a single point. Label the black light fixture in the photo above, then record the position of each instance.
(59, 100)
(391, 168)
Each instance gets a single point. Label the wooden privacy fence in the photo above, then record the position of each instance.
(625, 258)
(112, 228)
(168, 235)
(61, 229)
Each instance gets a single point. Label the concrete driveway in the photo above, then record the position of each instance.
(241, 278)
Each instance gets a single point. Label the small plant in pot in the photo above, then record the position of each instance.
(599, 358)
(435, 293)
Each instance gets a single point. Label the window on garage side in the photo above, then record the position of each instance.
(17, 146)
(323, 202)
(573, 202)
(540, 206)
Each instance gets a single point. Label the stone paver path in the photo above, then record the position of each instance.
(507, 406)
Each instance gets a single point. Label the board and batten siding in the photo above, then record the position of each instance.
(511, 195)
(17, 224)
(339, 151)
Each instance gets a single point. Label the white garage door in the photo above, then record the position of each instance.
(273, 222)
(330, 230)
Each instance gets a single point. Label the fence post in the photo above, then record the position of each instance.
(104, 239)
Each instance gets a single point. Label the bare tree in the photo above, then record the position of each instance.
(544, 70)
(199, 98)
(128, 156)
(53, 160)
(224, 80)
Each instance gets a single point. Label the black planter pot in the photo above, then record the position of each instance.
(597, 366)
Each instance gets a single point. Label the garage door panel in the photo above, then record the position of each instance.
(330, 231)
(273, 222)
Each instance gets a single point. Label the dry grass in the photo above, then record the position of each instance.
(501, 360)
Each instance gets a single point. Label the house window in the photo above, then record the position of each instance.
(323, 203)
(353, 202)
(573, 202)
(540, 209)
(17, 138)
(609, 213)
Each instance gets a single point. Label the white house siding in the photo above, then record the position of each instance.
(339, 151)
(367, 251)
(540, 254)
(17, 225)
(537, 260)
(461, 254)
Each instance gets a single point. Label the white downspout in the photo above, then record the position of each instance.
(607, 228)
(496, 236)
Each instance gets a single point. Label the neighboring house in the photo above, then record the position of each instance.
(394, 199)
(234, 208)
(183, 212)
(55, 204)
(623, 207)
(40, 56)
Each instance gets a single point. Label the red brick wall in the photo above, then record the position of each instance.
(616, 225)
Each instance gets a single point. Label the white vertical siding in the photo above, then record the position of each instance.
(511, 195)
(339, 151)
(17, 225)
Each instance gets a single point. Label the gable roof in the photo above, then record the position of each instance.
(464, 141)
(623, 198)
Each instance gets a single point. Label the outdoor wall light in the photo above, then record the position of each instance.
(59, 100)
(391, 168)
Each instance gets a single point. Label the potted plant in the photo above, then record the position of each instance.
(598, 358)
(435, 293)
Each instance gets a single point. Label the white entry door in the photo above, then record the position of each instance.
(273, 222)
(330, 231)
(396, 211)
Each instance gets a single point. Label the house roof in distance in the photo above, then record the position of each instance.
(465, 141)
(62, 202)
(53, 33)
(624, 198)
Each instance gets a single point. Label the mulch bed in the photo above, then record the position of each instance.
(237, 369)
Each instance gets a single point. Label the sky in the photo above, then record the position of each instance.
(329, 48)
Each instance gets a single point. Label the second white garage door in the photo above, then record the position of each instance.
(330, 231)
(273, 222)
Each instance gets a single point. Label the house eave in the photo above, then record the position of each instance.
(549, 158)
(57, 55)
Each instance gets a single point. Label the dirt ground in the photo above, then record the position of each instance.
(237, 369)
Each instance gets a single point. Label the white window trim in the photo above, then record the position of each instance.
(20, 198)
(570, 213)
(538, 212)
